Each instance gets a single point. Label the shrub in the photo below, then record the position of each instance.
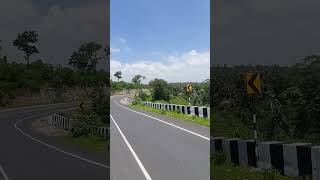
(219, 158)
(82, 123)
(179, 100)
(137, 101)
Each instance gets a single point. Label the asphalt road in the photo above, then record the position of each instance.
(150, 146)
(28, 155)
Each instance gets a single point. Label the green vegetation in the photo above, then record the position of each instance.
(81, 81)
(174, 114)
(288, 108)
(220, 170)
(90, 142)
(159, 91)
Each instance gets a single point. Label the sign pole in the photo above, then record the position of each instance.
(255, 135)
(253, 86)
(189, 91)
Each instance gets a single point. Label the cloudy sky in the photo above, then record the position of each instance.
(161, 39)
(62, 26)
(265, 31)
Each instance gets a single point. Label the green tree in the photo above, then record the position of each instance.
(118, 75)
(160, 89)
(26, 42)
(87, 57)
(137, 79)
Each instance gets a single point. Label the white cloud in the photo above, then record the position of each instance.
(114, 50)
(123, 40)
(187, 67)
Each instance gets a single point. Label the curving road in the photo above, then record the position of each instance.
(25, 154)
(146, 146)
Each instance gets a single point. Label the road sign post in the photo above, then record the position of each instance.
(255, 134)
(253, 83)
(189, 90)
(253, 86)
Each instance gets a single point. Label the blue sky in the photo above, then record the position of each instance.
(158, 31)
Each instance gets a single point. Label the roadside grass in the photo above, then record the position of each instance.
(174, 114)
(220, 169)
(230, 172)
(90, 142)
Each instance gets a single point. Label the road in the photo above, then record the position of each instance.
(154, 147)
(26, 154)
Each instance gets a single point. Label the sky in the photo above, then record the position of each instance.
(62, 25)
(167, 39)
(265, 32)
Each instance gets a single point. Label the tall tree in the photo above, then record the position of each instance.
(26, 42)
(137, 79)
(160, 89)
(118, 75)
(87, 57)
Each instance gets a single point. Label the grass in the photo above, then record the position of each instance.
(230, 172)
(220, 169)
(90, 142)
(175, 114)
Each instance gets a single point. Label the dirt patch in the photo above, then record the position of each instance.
(42, 126)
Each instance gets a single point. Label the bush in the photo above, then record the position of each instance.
(219, 158)
(143, 96)
(178, 111)
(137, 101)
(82, 123)
(179, 100)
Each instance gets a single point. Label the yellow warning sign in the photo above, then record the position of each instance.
(253, 83)
(189, 87)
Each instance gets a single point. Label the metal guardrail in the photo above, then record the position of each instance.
(203, 112)
(62, 122)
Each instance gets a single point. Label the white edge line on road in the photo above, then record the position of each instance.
(170, 124)
(35, 106)
(53, 147)
(143, 169)
(3, 173)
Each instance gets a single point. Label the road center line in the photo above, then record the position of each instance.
(3, 173)
(53, 147)
(143, 169)
(170, 124)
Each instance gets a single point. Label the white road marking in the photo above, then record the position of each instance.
(3, 173)
(53, 147)
(30, 110)
(30, 107)
(143, 169)
(170, 124)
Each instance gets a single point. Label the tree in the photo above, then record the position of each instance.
(118, 75)
(137, 79)
(25, 42)
(160, 90)
(87, 57)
